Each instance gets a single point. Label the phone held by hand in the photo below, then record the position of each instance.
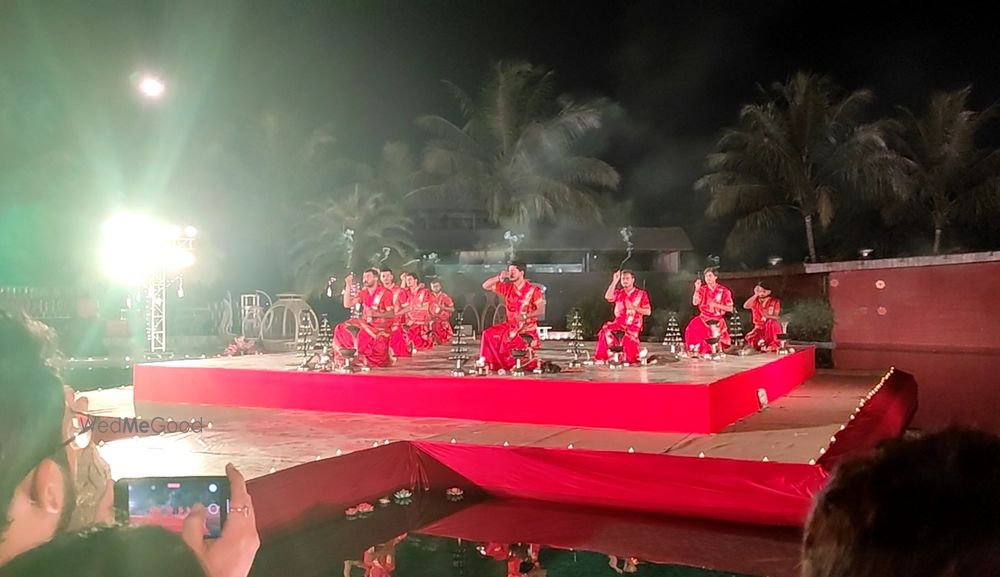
(166, 501)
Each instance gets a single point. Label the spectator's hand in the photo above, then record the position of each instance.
(105, 514)
(697, 283)
(232, 554)
(617, 276)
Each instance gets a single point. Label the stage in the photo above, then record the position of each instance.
(306, 460)
(690, 396)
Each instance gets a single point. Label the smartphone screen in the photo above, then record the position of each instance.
(166, 501)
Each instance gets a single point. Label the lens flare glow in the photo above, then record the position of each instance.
(152, 87)
(137, 246)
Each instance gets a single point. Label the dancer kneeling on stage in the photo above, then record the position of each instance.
(372, 330)
(441, 309)
(418, 316)
(398, 344)
(524, 304)
(714, 302)
(765, 309)
(631, 305)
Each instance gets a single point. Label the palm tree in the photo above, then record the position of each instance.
(321, 248)
(796, 155)
(361, 199)
(516, 149)
(396, 171)
(949, 178)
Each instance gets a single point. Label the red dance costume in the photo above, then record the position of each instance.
(373, 337)
(441, 324)
(418, 319)
(764, 336)
(502, 552)
(697, 330)
(625, 320)
(500, 339)
(379, 561)
(398, 344)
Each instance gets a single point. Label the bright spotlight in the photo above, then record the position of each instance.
(170, 231)
(136, 246)
(152, 87)
(190, 231)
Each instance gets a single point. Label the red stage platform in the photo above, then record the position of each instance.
(694, 396)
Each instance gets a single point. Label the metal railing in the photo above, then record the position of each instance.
(39, 303)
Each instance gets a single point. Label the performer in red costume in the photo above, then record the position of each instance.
(631, 305)
(418, 315)
(378, 561)
(714, 302)
(525, 304)
(374, 326)
(441, 309)
(765, 309)
(398, 345)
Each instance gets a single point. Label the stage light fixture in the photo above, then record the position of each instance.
(152, 87)
(140, 251)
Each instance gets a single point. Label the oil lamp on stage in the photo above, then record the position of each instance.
(459, 349)
(672, 339)
(304, 342)
(518, 354)
(740, 346)
(531, 353)
(349, 354)
(458, 371)
(325, 343)
(575, 325)
(783, 348)
(714, 341)
(316, 355)
(616, 349)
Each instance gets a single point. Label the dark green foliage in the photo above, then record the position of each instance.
(810, 320)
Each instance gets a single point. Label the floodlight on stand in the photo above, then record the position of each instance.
(140, 251)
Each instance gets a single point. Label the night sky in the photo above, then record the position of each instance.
(679, 72)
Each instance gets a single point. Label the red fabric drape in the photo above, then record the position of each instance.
(885, 415)
(726, 489)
